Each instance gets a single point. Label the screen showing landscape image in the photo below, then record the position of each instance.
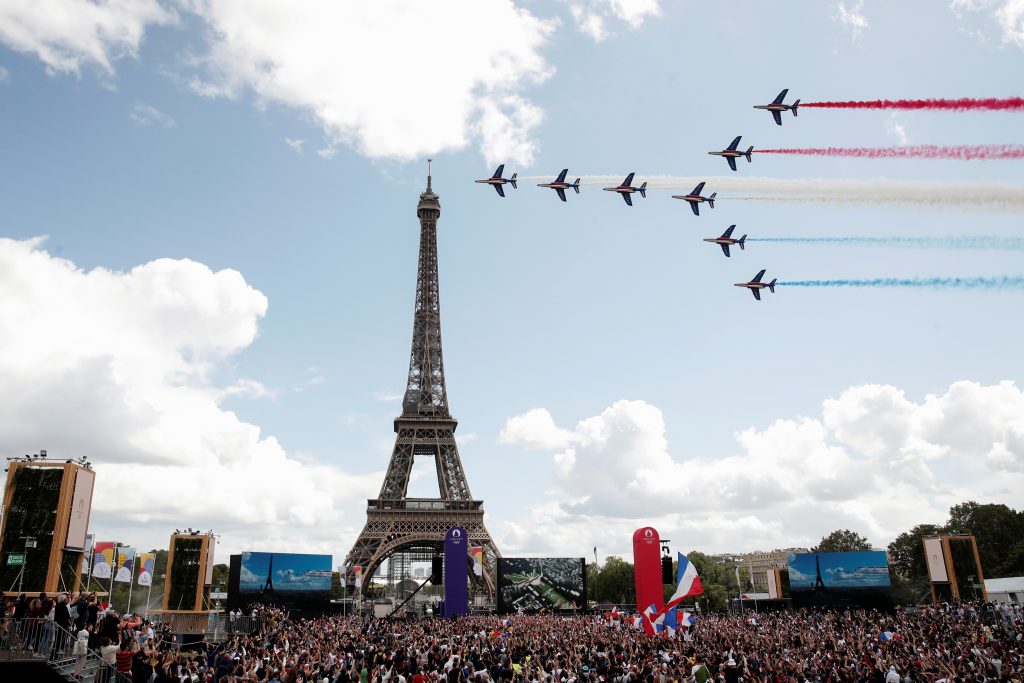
(285, 578)
(855, 579)
(532, 584)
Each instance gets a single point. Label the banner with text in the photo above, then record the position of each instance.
(456, 572)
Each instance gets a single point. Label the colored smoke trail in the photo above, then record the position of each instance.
(935, 195)
(961, 104)
(1007, 282)
(950, 242)
(963, 152)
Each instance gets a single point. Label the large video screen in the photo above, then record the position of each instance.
(855, 579)
(286, 578)
(532, 584)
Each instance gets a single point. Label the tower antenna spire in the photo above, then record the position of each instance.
(429, 161)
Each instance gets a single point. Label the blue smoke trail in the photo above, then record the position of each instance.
(950, 242)
(1006, 282)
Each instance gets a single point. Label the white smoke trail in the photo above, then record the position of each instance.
(965, 196)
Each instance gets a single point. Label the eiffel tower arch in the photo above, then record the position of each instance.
(398, 526)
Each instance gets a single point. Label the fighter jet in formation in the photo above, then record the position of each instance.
(755, 285)
(497, 181)
(695, 199)
(730, 153)
(777, 107)
(560, 186)
(626, 189)
(727, 239)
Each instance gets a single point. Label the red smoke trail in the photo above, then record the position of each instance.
(965, 152)
(962, 104)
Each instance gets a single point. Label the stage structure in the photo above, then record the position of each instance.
(954, 568)
(402, 529)
(46, 517)
(189, 571)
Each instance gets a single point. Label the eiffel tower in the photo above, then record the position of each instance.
(818, 583)
(397, 525)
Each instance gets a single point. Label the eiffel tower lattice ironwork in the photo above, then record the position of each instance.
(394, 522)
(268, 585)
(818, 583)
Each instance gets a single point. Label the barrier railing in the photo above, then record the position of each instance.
(214, 626)
(43, 640)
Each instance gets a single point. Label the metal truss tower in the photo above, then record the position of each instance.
(396, 523)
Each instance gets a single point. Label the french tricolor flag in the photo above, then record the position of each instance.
(687, 583)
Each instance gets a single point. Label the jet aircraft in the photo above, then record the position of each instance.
(626, 189)
(695, 199)
(726, 239)
(730, 153)
(560, 186)
(777, 107)
(497, 181)
(755, 285)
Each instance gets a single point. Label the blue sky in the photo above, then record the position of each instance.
(220, 313)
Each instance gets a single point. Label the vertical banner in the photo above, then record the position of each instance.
(125, 558)
(477, 555)
(936, 560)
(81, 506)
(647, 568)
(90, 540)
(103, 557)
(146, 563)
(358, 572)
(456, 572)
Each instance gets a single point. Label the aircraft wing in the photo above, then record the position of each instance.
(628, 181)
(735, 143)
(757, 294)
(561, 193)
(501, 192)
(696, 208)
(782, 96)
(725, 249)
(728, 231)
(778, 117)
(732, 162)
(561, 176)
(501, 169)
(757, 278)
(697, 190)
(629, 202)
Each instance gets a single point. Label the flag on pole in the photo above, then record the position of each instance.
(146, 564)
(687, 582)
(477, 554)
(90, 540)
(358, 571)
(103, 558)
(125, 563)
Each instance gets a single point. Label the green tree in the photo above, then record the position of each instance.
(996, 528)
(614, 582)
(337, 590)
(906, 552)
(842, 541)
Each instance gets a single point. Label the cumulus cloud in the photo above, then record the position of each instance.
(68, 34)
(852, 18)
(592, 16)
(1008, 14)
(147, 115)
(398, 80)
(294, 144)
(117, 366)
(874, 460)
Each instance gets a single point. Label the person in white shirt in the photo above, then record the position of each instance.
(892, 676)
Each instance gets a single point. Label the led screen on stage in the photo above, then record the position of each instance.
(855, 579)
(286, 578)
(531, 584)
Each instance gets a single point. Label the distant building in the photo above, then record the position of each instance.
(754, 566)
(1010, 589)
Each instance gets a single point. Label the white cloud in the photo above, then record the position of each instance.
(296, 145)
(852, 18)
(5, 75)
(1009, 14)
(897, 129)
(592, 16)
(874, 461)
(395, 80)
(67, 34)
(146, 114)
(116, 366)
(387, 396)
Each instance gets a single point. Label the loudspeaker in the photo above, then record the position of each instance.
(666, 570)
(436, 571)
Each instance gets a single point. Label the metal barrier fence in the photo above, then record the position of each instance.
(213, 626)
(43, 640)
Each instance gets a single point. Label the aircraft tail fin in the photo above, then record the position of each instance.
(743, 242)
(748, 152)
(711, 199)
(795, 105)
(576, 186)
(643, 189)
(513, 181)
(771, 285)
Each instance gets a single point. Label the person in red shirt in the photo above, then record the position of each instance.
(125, 653)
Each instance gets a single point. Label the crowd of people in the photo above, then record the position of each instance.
(947, 643)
